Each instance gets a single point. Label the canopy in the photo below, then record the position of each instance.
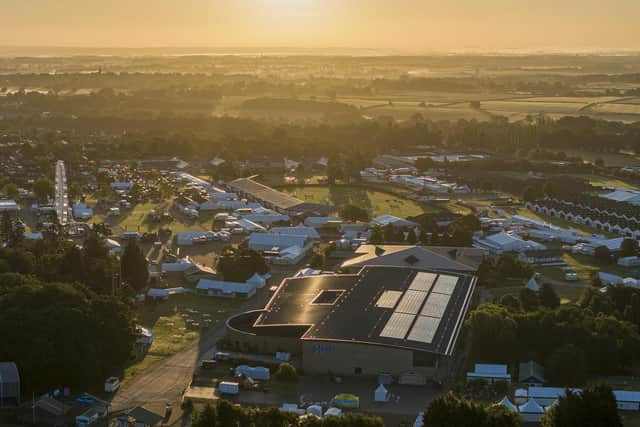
(531, 407)
(507, 404)
(381, 394)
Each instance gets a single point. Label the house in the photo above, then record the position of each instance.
(9, 384)
(490, 373)
(394, 221)
(218, 288)
(180, 266)
(531, 373)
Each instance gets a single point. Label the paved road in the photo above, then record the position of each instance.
(166, 380)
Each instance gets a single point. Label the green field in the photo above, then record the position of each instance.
(176, 324)
(137, 219)
(374, 201)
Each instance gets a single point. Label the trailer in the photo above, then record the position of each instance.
(228, 387)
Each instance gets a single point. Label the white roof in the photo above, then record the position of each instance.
(531, 407)
(110, 243)
(621, 195)
(267, 241)
(627, 396)
(299, 230)
(383, 220)
(226, 287)
(507, 404)
(533, 284)
(549, 392)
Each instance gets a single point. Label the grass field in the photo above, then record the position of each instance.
(603, 181)
(176, 324)
(374, 201)
(136, 219)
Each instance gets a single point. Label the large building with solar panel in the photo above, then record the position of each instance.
(395, 320)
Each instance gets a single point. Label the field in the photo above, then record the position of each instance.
(176, 324)
(374, 201)
(136, 219)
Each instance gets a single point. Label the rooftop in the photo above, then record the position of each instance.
(397, 307)
(422, 257)
(264, 193)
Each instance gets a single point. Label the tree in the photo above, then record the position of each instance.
(11, 191)
(135, 271)
(528, 299)
(286, 373)
(602, 254)
(354, 213)
(594, 407)
(317, 260)
(377, 236)
(629, 247)
(567, 366)
(238, 265)
(530, 194)
(548, 297)
(43, 189)
(412, 239)
(451, 411)
(511, 302)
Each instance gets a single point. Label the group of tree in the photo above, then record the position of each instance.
(593, 407)
(459, 232)
(135, 271)
(354, 213)
(226, 414)
(449, 410)
(572, 342)
(11, 230)
(62, 334)
(237, 264)
(506, 265)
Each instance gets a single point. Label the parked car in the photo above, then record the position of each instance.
(111, 384)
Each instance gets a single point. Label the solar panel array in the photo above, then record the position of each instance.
(420, 310)
(388, 299)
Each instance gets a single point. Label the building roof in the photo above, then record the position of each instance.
(9, 372)
(530, 369)
(268, 241)
(300, 230)
(398, 307)
(266, 194)
(226, 287)
(421, 257)
(531, 407)
(508, 404)
(144, 416)
(384, 220)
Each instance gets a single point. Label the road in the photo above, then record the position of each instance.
(166, 380)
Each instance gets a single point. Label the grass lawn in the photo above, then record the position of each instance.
(137, 219)
(176, 324)
(603, 181)
(374, 201)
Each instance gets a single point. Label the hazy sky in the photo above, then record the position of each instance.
(404, 24)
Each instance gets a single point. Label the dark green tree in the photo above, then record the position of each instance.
(135, 271)
(548, 296)
(595, 406)
(567, 366)
(43, 188)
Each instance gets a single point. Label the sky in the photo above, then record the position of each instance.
(415, 25)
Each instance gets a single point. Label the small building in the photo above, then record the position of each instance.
(9, 384)
(394, 221)
(548, 257)
(505, 242)
(533, 284)
(219, 288)
(531, 373)
(490, 373)
(8, 205)
(627, 400)
(81, 211)
(299, 230)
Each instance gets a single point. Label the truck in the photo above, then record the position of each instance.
(228, 387)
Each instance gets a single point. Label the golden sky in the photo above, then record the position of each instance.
(403, 24)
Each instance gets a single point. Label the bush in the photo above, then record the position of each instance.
(286, 373)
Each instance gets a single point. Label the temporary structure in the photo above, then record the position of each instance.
(531, 412)
(381, 394)
(336, 412)
(507, 404)
(315, 410)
